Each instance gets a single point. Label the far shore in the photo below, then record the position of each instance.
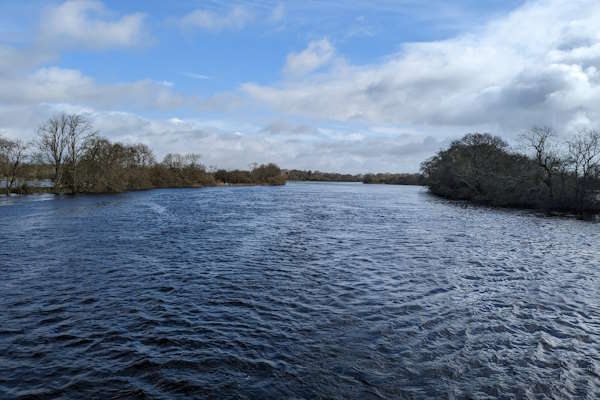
(35, 190)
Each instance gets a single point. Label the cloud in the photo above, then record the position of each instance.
(291, 146)
(317, 55)
(60, 85)
(235, 19)
(282, 128)
(14, 60)
(196, 76)
(87, 23)
(537, 65)
(227, 144)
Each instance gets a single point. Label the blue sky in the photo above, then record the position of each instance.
(343, 86)
(256, 51)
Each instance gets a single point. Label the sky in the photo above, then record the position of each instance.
(342, 86)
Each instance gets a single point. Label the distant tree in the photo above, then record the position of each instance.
(4, 143)
(52, 142)
(192, 160)
(394, 179)
(267, 173)
(540, 140)
(584, 156)
(12, 160)
(79, 136)
(235, 177)
(300, 175)
(142, 155)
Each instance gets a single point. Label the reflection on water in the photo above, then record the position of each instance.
(302, 291)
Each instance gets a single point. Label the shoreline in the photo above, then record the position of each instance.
(550, 213)
(31, 191)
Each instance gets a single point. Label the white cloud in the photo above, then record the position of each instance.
(235, 19)
(226, 145)
(317, 55)
(60, 85)
(87, 23)
(13, 60)
(536, 65)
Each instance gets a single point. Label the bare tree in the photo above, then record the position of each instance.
(584, 157)
(144, 157)
(174, 161)
(192, 160)
(12, 157)
(4, 146)
(79, 134)
(539, 139)
(52, 143)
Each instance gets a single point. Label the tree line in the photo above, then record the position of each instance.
(318, 176)
(386, 178)
(394, 179)
(550, 174)
(69, 153)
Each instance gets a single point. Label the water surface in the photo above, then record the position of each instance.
(305, 291)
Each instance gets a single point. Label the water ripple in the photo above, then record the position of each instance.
(304, 291)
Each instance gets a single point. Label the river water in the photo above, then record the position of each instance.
(311, 290)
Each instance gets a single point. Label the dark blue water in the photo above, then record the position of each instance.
(304, 291)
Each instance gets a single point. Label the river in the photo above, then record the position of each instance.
(310, 290)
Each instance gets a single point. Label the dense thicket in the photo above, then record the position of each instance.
(481, 168)
(70, 154)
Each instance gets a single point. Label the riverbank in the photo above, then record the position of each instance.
(32, 190)
(594, 216)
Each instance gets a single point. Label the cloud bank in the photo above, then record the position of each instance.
(537, 65)
(89, 24)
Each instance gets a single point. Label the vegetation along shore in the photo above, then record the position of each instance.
(72, 156)
(552, 176)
